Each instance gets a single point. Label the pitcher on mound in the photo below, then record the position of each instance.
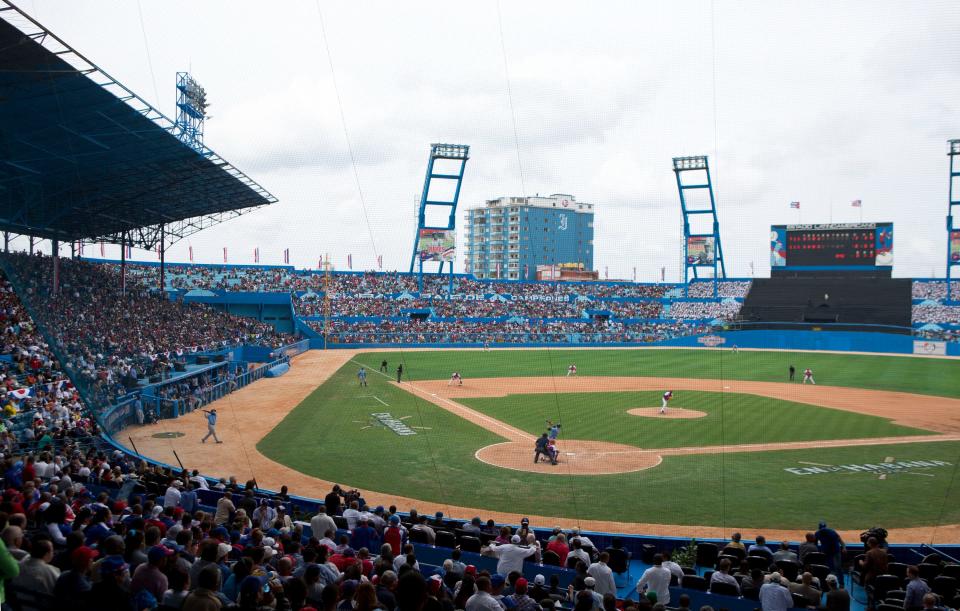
(666, 400)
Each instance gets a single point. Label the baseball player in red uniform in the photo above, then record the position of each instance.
(666, 399)
(455, 378)
(571, 370)
(808, 375)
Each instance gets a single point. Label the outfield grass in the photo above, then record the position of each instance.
(328, 436)
(939, 377)
(731, 418)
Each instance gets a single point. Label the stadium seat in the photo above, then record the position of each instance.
(758, 562)
(897, 568)
(928, 570)
(694, 582)
(820, 571)
(945, 587)
(951, 570)
(789, 568)
(341, 522)
(469, 543)
(801, 602)
(933, 559)
(750, 593)
(734, 560)
(738, 552)
(417, 536)
(619, 561)
(883, 584)
(445, 538)
(550, 558)
(726, 589)
(708, 575)
(815, 558)
(886, 607)
(896, 595)
(707, 554)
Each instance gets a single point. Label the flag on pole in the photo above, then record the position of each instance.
(795, 205)
(158, 253)
(224, 254)
(80, 244)
(379, 261)
(286, 256)
(663, 274)
(191, 253)
(856, 203)
(129, 251)
(498, 270)
(349, 261)
(256, 254)
(102, 252)
(634, 273)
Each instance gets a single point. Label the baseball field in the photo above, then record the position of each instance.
(875, 442)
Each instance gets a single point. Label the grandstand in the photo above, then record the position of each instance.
(112, 369)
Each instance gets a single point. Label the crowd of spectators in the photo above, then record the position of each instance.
(936, 290)
(725, 288)
(701, 310)
(110, 336)
(939, 313)
(356, 306)
(554, 331)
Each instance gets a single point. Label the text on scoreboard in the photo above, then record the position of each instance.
(832, 245)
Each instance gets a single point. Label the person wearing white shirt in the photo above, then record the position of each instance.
(774, 596)
(675, 569)
(576, 551)
(722, 575)
(321, 523)
(36, 572)
(482, 600)
(656, 578)
(352, 515)
(603, 575)
(172, 497)
(511, 555)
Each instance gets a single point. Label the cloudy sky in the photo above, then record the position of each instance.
(819, 102)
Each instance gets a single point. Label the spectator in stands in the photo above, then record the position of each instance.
(916, 589)
(603, 575)
(559, 547)
(577, 552)
(774, 596)
(785, 553)
(656, 579)
(874, 563)
(806, 590)
(483, 600)
(760, 548)
(735, 542)
(722, 575)
(510, 555)
(36, 572)
(809, 545)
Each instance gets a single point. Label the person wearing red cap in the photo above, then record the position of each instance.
(519, 600)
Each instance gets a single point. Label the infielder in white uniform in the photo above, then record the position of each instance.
(808, 375)
(666, 399)
(455, 378)
(571, 370)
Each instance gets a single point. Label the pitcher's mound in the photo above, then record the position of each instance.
(672, 412)
(576, 457)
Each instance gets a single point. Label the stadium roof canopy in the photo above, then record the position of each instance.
(83, 158)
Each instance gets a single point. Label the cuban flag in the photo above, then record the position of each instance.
(191, 253)
(856, 203)
(349, 261)
(20, 394)
(286, 256)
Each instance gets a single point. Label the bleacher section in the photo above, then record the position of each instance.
(849, 300)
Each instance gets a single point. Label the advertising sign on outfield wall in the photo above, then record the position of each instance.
(928, 347)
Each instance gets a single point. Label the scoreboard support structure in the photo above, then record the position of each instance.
(953, 229)
(701, 250)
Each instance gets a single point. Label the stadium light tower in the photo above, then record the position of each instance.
(953, 229)
(700, 250)
(436, 241)
(191, 111)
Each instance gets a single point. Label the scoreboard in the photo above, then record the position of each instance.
(840, 245)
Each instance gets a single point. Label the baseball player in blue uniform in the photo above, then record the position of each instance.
(211, 426)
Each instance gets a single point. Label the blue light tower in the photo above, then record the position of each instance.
(700, 250)
(458, 153)
(191, 111)
(953, 229)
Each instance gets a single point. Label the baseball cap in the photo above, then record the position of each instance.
(589, 582)
(159, 551)
(112, 565)
(223, 549)
(823, 524)
(83, 553)
(515, 539)
(539, 580)
(470, 570)
(220, 533)
(348, 587)
(497, 579)
(525, 521)
(520, 583)
(394, 519)
(435, 582)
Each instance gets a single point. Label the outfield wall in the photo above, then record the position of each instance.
(835, 341)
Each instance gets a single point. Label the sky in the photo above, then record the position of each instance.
(817, 102)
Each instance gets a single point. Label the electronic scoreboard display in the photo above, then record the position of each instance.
(853, 245)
